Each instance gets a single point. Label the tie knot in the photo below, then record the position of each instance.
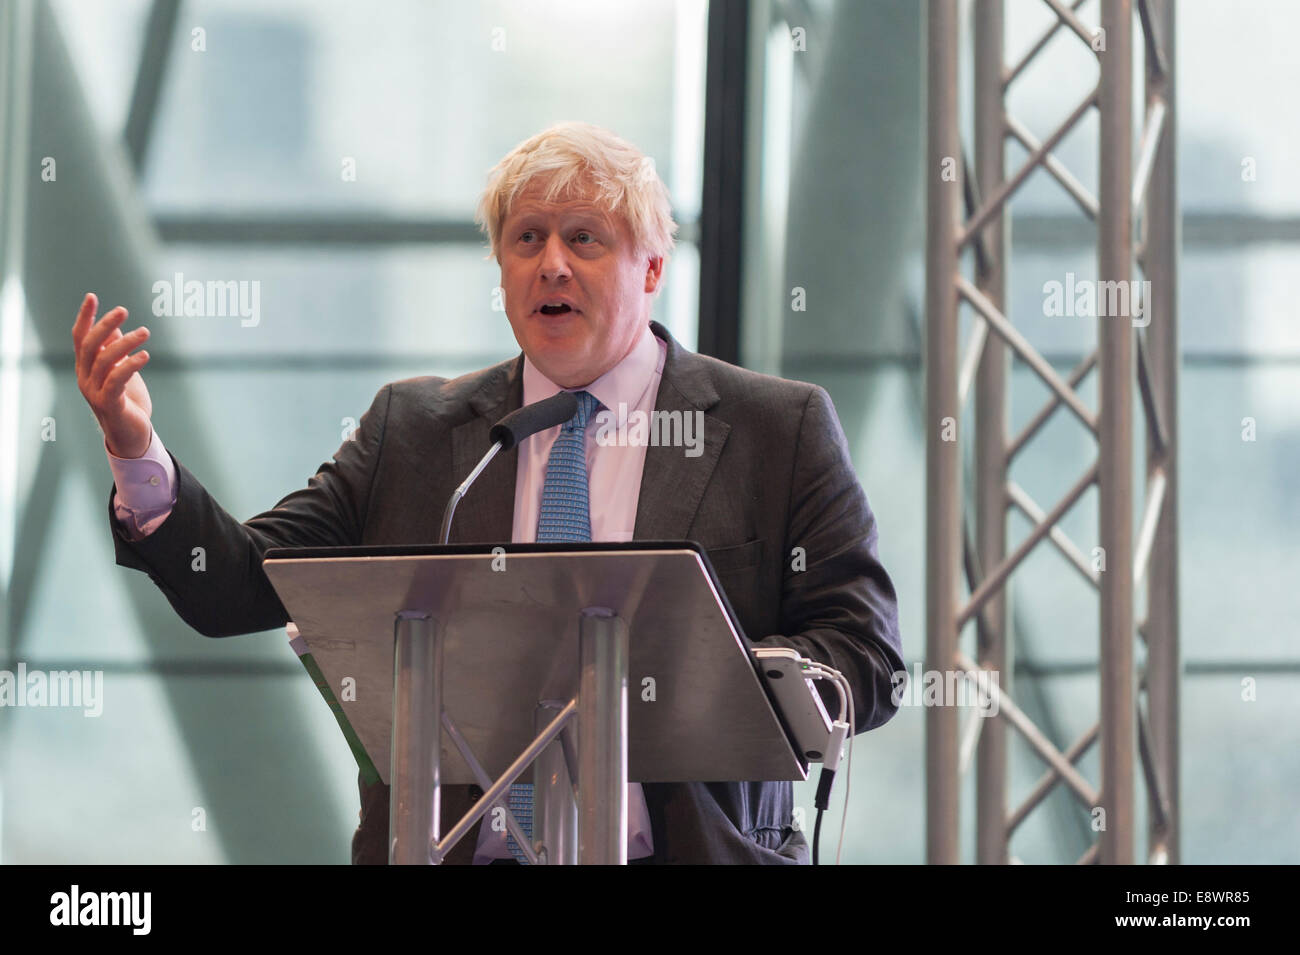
(587, 404)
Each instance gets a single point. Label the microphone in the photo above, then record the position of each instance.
(508, 432)
(530, 419)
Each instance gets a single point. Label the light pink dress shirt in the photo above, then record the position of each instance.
(146, 494)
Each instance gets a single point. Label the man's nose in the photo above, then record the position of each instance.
(555, 259)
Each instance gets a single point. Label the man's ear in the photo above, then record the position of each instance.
(654, 273)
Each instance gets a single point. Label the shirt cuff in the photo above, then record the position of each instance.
(146, 488)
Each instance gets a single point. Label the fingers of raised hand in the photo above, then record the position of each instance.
(85, 315)
(112, 353)
(122, 372)
(93, 339)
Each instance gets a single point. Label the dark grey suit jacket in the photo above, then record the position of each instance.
(774, 476)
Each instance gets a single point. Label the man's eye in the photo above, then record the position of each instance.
(526, 237)
(583, 237)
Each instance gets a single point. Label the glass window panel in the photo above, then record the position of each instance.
(104, 40)
(425, 98)
(260, 756)
(1233, 300)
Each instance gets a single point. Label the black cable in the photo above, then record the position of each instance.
(817, 835)
(822, 801)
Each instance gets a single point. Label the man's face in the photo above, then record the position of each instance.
(573, 254)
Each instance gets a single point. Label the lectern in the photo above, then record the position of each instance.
(595, 663)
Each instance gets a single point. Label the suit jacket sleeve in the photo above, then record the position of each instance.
(841, 609)
(222, 590)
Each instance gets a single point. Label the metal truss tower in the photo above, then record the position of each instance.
(1138, 706)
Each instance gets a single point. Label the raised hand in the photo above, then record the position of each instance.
(109, 377)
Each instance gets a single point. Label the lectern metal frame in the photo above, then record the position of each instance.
(601, 759)
(475, 645)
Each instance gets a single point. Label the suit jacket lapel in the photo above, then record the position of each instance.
(672, 484)
(486, 514)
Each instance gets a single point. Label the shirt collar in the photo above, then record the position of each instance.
(625, 383)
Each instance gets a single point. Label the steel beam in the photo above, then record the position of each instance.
(1115, 418)
(993, 641)
(1164, 248)
(1124, 185)
(155, 55)
(943, 525)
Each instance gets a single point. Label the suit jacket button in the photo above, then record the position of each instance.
(475, 793)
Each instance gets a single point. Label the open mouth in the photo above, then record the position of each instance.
(555, 309)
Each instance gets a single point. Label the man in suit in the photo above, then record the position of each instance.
(581, 227)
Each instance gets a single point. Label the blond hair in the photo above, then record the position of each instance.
(572, 158)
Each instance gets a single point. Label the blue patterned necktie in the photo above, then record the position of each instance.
(565, 516)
